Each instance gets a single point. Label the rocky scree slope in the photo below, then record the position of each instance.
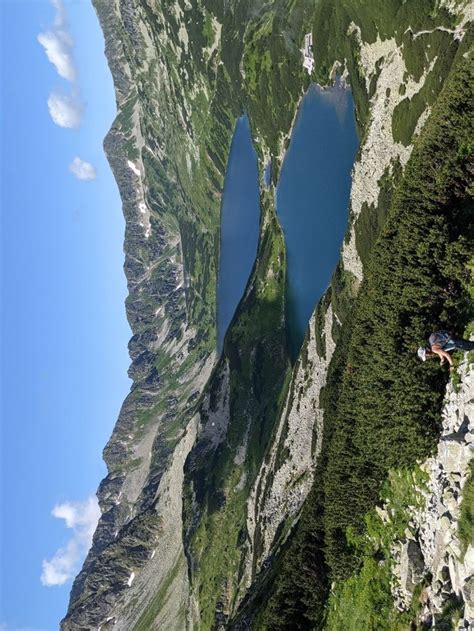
(433, 551)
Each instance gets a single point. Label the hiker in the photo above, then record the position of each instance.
(441, 343)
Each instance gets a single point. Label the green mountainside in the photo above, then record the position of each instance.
(244, 491)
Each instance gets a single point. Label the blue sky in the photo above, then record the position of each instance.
(63, 328)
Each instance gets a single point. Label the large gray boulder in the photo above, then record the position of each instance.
(412, 566)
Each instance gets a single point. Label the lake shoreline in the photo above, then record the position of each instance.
(312, 198)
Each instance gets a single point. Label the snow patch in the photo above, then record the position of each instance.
(134, 168)
(183, 36)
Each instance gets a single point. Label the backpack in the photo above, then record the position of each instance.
(440, 337)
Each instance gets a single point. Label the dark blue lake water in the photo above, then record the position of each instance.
(240, 219)
(313, 197)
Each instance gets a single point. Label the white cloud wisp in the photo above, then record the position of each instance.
(82, 170)
(58, 44)
(81, 518)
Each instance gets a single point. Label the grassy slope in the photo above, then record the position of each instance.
(364, 601)
(255, 348)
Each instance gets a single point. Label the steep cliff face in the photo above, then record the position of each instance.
(286, 475)
(212, 459)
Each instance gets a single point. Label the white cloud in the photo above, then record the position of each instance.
(66, 111)
(82, 170)
(58, 44)
(60, 18)
(82, 518)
